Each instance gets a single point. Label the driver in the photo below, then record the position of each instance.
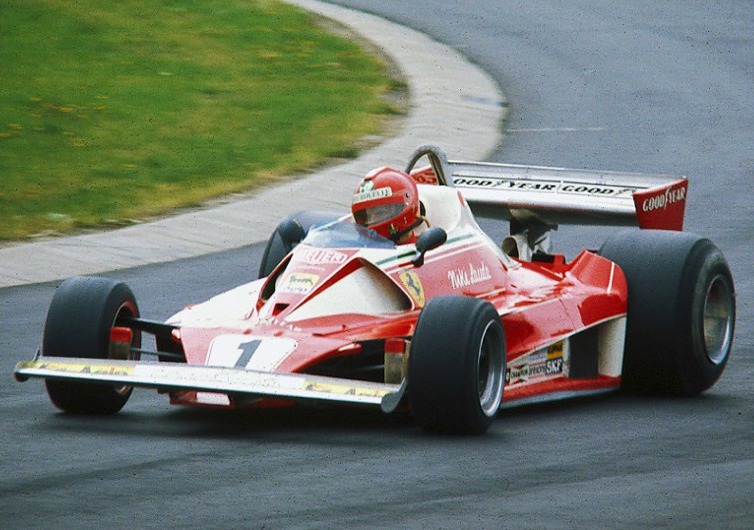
(387, 201)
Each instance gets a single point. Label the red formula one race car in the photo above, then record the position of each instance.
(405, 303)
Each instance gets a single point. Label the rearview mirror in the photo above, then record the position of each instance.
(431, 239)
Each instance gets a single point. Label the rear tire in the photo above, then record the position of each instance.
(681, 310)
(78, 324)
(278, 247)
(456, 368)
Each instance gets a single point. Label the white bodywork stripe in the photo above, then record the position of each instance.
(610, 281)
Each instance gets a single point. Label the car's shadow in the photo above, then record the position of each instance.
(332, 423)
(188, 422)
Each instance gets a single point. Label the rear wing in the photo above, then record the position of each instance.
(528, 195)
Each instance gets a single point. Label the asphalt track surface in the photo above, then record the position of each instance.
(645, 86)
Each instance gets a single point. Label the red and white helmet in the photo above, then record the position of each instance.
(387, 201)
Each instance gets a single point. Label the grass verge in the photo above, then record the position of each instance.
(116, 111)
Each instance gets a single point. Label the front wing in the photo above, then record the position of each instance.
(233, 381)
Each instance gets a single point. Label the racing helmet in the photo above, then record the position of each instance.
(387, 201)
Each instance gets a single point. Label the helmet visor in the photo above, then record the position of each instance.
(378, 214)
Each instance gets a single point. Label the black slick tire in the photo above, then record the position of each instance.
(81, 315)
(456, 365)
(278, 247)
(681, 310)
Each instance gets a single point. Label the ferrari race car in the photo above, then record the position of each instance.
(449, 327)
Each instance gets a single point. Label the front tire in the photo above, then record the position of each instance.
(79, 320)
(456, 366)
(681, 310)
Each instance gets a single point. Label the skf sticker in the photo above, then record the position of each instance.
(299, 283)
(414, 286)
(544, 363)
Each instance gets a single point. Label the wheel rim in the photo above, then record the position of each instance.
(717, 319)
(127, 310)
(490, 370)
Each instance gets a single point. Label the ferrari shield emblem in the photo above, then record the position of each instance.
(414, 286)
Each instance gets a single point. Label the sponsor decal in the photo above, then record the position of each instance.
(460, 278)
(513, 184)
(661, 202)
(316, 256)
(333, 388)
(542, 363)
(613, 191)
(555, 350)
(379, 193)
(76, 368)
(299, 283)
(474, 183)
(306, 267)
(414, 286)
(367, 185)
